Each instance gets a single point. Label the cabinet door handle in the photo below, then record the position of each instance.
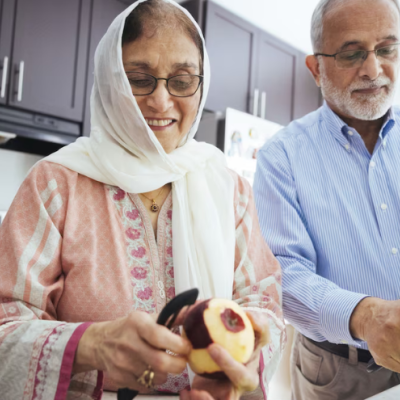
(255, 102)
(20, 80)
(263, 104)
(4, 78)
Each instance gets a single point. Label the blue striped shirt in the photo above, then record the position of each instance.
(330, 211)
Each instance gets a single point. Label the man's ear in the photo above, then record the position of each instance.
(312, 63)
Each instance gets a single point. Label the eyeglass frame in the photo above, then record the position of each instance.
(167, 80)
(365, 52)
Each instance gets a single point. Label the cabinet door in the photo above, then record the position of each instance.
(230, 43)
(103, 13)
(276, 70)
(49, 57)
(6, 31)
(307, 96)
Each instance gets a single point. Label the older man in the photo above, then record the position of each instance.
(328, 194)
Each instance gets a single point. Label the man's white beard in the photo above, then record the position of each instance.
(366, 107)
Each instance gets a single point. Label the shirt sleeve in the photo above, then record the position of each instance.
(315, 306)
(257, 280)
(36, 350)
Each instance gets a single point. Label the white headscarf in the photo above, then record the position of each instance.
(123, 151)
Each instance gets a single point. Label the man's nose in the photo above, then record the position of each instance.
(160, 100)
(371, 67)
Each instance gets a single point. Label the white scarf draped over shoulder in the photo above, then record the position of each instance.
(123, 151)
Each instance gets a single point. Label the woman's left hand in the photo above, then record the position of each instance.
(242, 378)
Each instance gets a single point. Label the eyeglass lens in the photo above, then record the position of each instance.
(355, 58)
(180, 85)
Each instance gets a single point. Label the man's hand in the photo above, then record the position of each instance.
(377, 322)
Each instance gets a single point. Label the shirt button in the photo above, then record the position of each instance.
(372, 164)
(394, 250)
(347, 146)
(384, 143)
(384, 206)
(343, 341)
(350, 133)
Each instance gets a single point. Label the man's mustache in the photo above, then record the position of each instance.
(377, 83)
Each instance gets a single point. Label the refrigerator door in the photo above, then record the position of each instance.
(245, 134)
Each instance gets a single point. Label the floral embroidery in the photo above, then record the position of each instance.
(144, 294)
(170, 272)
(139, 273)
(169, 251)
(132, 234)
(119, 195)
(134, 214)
(171, 292)
(142, 270)
(139, 253)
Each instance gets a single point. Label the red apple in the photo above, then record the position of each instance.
(217, 321)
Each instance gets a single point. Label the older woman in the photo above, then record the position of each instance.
(108, 229)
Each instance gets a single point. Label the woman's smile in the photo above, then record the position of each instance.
(159, 124)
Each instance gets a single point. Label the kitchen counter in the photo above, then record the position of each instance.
(391, 394)
(113, 396)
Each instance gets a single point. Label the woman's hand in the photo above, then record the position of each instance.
(126, 347)
(242, 378)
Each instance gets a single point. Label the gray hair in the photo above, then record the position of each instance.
(317, 21)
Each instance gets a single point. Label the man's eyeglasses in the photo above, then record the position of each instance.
(355, 58)
(178, 85)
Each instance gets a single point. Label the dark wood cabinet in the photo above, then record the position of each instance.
(230, 44)
(251, 70)
(103, 13)
(47, 61)
(6, 31)
(307, 95)
(48, 67)
(276, 69)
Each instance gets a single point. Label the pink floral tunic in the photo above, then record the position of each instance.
(75, 251)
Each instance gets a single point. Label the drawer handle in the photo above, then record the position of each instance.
(20, 81)
(4, 78)
(263, 104)
(255, 103)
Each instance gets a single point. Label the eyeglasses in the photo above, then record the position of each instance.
(178, 85)
(355, 58)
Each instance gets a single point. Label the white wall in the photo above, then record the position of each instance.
(14, 167)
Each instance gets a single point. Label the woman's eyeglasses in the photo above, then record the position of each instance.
(355, 58)
(178, 85)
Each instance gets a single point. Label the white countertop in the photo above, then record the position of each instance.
(391, 394)
(113, 396)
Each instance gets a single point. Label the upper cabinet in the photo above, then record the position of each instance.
(230, 44)
(275, 79)
(47, 66)
(47, 61)
(103, 13)
(6, 32)
(307, 96)
(251, 70)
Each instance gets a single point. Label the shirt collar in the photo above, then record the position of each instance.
(340, 130)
